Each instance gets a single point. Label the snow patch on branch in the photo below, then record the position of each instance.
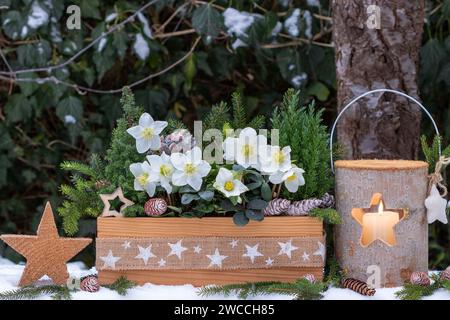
(237, 22)
(141, 47)
(146, 25)
(38, 16)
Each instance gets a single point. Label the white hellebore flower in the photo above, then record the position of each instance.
(144, 180)
(147, 133)
(274, 159)
(190, 168)
(163, 169)
(244, 149)
(228, 185)
(293, 178)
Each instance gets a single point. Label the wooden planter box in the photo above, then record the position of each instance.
(129, 229)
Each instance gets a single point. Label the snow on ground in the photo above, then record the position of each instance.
(10, 274)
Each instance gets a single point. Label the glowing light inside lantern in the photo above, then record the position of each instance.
(379, 226)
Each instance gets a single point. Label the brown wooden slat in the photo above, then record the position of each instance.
(204, 277)
(211, 226)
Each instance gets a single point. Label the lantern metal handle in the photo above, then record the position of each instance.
(376, 91)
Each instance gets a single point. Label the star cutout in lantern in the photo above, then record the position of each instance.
(107, 212)
(378, 223)
(46, 252)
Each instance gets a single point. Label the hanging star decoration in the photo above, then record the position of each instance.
(436, 206)
(46, 252)
(378, 223)
(106, 198)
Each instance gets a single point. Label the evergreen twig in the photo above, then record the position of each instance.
(121, 285)
(33, 292)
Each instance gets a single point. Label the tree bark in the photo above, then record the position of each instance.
(382, 126)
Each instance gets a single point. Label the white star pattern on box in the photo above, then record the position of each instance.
(287, 248)
(320, 251)
(216, 259)
(197, 248)
(126, 245)
(162, 263)
(176, 249)
(305, 256)
(234, 243)
(145, 253)
(109, 260)
(269, 261)
(252, 252)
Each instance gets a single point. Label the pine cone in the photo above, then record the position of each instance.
(90, 284)
(302, 208)
(420, 278)
(327, 201)
(445, 275)
(310, 277)
(276, 207)
(155, 207)
(357, 286)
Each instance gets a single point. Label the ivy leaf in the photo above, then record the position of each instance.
(13, 22)
(5, 164)
(240, 219)
(266, 192)
(70, 106)
(19, 108)
(257, 204)
(89, 9)
(28, 88)
(319, 90)
(207, 21)
(432, 53)
(254, 215)
(188, 198)
(120, 40)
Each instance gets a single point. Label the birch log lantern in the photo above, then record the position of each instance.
(383, 237)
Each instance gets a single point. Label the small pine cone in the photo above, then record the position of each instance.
(155, 207)
(327, 201)
(445, 275)
(302, 208)
(357, 286)
(276, 207)
(90, 284)
(310, 277)
(420, 278)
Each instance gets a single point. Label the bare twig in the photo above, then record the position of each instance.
(82, 51)
(82, 89)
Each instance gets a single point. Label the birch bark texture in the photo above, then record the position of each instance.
(373, 56)
(403, 184)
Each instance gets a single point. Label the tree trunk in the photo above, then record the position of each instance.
(383, 126)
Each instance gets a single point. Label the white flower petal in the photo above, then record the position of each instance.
(142, 145)
(137, 186)
(178, 160)
(155, 161)
(292, 185)
(179, 178)
(135, 132)
(145, 120)
(203, 168)
(155, 142)
(247, 133)
(159, 126)
(136, 169)
(195, 181)
(166, 185)
(150, 189)
(277, 177)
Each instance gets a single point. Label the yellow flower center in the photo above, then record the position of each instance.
(229, 186)
(189, 168)
(279, 157)
(164, 170)
(247, 150)
(142, 179)
(291, 178)
(147, 133)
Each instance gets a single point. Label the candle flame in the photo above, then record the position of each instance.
(380, 207)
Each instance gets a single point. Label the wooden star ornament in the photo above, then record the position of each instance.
(377, 222)
(46, 252)
(118, 193)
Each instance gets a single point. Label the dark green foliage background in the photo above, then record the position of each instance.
(34, 139)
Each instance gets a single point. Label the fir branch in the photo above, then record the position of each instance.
(174, 124)
(328, 215)
(258, 122)
(239, 112)
(416, 291)
(121, 285)
(217, 117)
(78, 167)
(301, 289)
(333, 272)
(33, 292)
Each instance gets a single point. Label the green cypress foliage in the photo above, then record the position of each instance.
(302, 129)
